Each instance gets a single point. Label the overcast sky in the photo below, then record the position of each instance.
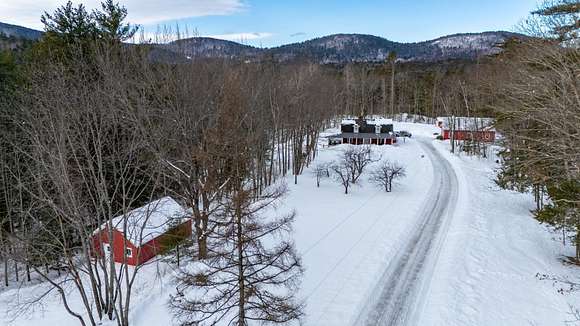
(275, 22)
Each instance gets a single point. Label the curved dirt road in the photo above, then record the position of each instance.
(396, 299)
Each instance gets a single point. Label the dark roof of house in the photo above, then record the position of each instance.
(365, 135)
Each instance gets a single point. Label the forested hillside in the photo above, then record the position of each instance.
(351, 48)
(19, 32)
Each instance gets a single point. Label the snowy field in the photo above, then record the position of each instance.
(346, 240)
(484, 272)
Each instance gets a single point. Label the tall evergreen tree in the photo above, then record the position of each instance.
(110, 23)
(562, 17)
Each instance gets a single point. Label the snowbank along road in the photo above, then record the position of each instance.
(397, 296)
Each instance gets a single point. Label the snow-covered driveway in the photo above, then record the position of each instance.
(397, 295)
(347, 241)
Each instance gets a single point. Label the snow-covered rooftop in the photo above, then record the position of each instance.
(348, 121)
(145, 223)
(377, 121)
(380, 121)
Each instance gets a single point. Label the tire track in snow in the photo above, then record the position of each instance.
(399, 288)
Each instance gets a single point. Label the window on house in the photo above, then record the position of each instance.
(129, 252)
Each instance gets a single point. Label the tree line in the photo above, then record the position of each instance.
(536, 98)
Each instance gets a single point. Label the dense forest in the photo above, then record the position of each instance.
(91, 127)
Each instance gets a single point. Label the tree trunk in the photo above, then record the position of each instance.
(452, 135)
(577, 245)
(201, 241)
(385, 97)
(27, 271)
(177, 255)
(16, 271)
(6, 270)
(392, 98)
(240, 249)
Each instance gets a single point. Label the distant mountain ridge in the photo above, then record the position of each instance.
(345, 48)
(332, 49)
(208, 47)
(19, 32)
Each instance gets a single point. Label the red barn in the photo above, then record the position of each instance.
(146, 231)
(478, 135)
(467, 128)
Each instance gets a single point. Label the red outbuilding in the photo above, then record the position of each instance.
(143, 233)
(467, 128)
(487, 136)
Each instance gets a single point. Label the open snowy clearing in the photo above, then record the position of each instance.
(481, 272)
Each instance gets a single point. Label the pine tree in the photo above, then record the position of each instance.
(72, 31)
(563, 18)
(110, 24)
(250, 275)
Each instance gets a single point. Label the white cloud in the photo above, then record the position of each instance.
(241, 37)
(27, 12)
(166, 36)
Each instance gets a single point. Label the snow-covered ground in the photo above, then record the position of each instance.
(347, 240)
(484, 274)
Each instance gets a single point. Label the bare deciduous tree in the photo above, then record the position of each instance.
(321, 171)
(387, 172)
(88, 161)
(342, 174)
(357, 158)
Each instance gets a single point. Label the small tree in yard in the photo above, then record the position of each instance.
(386, 173)
(357, 158)
(342, 174)
(321, 171)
